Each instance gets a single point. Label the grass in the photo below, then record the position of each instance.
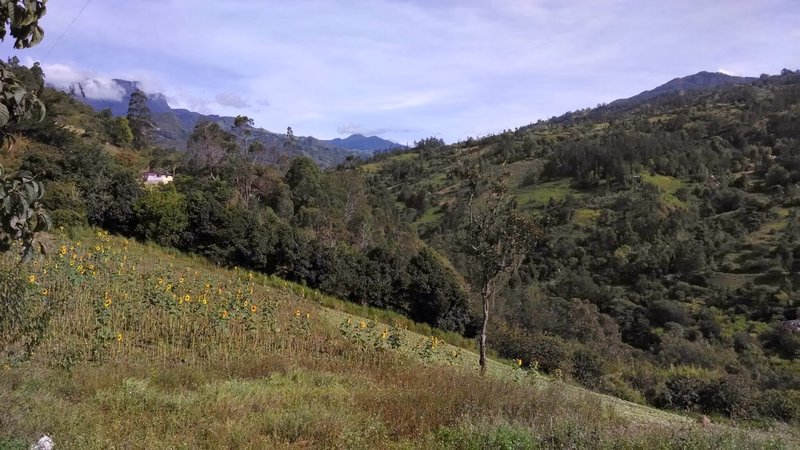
(730, 281)
(376, 166)
(152, 349)
(767, 233)
(431, 215)
(668, 186)
(586, 216)
(541, 193)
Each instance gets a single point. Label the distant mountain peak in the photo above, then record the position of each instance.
(364, 144)
(695, 82)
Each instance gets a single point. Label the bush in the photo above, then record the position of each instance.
(689, 388)
(781, 341)
(24, 314)
(733, 395)
(587, 367)
(781, 405)
(67, 218)
(613, 384)
(161, 216)
(550, 352)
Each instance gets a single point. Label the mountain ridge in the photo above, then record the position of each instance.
(365, 144)
(175, 125)
(698, 81)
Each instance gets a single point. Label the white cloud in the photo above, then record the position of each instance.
(102, 89)
(351, 128)
(727, 72)
(95, 87)
(357, 128)
(444, 66)
(232, 100)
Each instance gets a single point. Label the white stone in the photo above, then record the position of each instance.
(45, 443)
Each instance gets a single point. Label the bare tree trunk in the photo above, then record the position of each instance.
(482, 346)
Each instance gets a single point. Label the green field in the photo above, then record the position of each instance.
(376, 166)
(541, 193)
(668, 187)
(586, 216)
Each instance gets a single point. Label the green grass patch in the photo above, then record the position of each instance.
(431, 215)
(377, 166)
(730, 281)
(410, 156)
(668, 186)
(371, 167)
(768, 232)
(541, 193)
(586, 216)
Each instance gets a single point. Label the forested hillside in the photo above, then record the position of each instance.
(328, 229)
(664, 272)
(667, 271)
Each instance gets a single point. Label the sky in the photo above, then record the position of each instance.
(406, 69)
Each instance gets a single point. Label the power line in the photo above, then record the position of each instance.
(68, 27)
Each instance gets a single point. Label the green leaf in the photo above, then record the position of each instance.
(36, 35)
(4, 115)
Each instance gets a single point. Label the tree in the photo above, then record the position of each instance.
(303, 178)
(161, 216)
(243, 126)
(208, 145)
(291, 142)
(139, 119)
(119, 131)
(22, 17)
(495, 237)
(22, 215)
(433, 295)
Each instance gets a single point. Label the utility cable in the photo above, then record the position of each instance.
(74, 19)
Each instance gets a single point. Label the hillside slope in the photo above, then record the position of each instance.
(685, 85)
(671, 231)
(148, 349)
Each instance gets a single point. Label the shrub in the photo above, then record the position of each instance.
(781, 405)
(551, 353)
(68, 218)
(161, 216)
(24, 314)
(587, 367)
(734, 396)
(689, 388)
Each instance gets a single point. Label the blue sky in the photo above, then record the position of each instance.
(407, 69)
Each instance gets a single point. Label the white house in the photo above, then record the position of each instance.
(156, 178)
